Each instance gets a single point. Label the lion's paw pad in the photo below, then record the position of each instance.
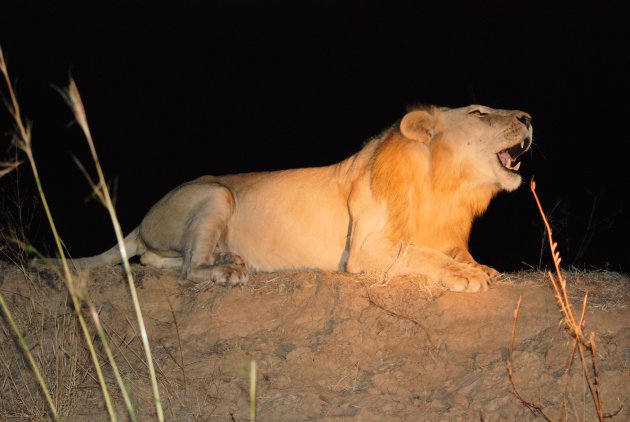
(230, 275)
(465, 278)
(224, 275)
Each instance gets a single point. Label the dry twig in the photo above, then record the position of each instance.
(575, 325)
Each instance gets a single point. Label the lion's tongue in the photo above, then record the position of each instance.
(505, 158)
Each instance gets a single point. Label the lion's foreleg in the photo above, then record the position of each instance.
(411, 259)
(437, 266)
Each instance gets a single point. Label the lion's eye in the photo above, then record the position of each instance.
(477, 113)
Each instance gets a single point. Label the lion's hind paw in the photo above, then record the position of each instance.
(223, 275)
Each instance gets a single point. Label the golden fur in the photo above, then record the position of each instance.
(405, 203)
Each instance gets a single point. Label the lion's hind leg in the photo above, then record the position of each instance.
(203, 264)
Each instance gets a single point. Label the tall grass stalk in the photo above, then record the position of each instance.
(252, 391)
(102, 192)
(121, 384)
(23, 142)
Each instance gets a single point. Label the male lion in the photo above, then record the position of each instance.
(403, 204)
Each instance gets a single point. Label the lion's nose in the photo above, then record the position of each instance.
(526, 119)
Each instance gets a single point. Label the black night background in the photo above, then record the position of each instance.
(177, 91)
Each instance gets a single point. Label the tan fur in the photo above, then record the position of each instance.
(404, 204)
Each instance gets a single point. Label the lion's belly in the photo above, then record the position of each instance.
(277, 254)
(285, 231)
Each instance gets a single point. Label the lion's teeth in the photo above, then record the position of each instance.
(522, 143)
(517, 166)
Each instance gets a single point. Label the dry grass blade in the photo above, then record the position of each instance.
(101, 190)
(34, 366)
(409, 318)
(103, 336)
(6, 168)
(252, 391)
(534, 408)
(181, 364)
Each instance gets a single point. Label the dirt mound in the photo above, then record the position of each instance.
(327, 346)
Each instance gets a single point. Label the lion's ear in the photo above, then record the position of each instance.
(417, 125)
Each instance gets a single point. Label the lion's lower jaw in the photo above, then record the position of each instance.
(510, 182)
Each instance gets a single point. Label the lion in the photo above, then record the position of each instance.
(403, 204)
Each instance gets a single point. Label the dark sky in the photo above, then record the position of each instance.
(174, 92)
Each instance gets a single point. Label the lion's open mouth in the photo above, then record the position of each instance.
(508, 156)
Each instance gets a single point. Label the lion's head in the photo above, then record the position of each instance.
(441, 167)
(477, 139)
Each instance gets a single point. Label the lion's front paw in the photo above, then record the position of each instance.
(223, 275)
(490, 272)
(460, 277)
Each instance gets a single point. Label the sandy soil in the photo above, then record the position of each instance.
(328, 346)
